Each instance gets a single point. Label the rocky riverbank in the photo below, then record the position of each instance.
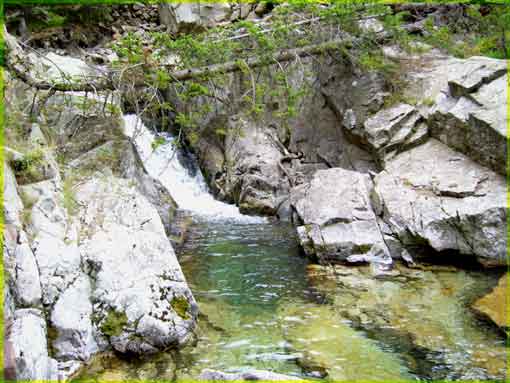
(89, 264)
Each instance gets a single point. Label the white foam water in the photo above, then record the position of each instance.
(189, 191)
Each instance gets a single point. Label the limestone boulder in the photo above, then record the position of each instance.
(27, 342)
(434, 196)
(335, 216)
(141, 301)
(71, 319)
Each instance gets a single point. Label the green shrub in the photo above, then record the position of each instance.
(28, 168)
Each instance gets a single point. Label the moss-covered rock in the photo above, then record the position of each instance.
(181, 306)
(114, 323)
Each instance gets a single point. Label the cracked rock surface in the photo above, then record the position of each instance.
(435, 195)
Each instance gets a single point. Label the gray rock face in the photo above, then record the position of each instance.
(471, 117)
(13, 207)
(142, 302)
(189, 17)
(192, 17)
(433, 195)
(28, 285)
(55, 239)
(71, 318)
(336, 216)
(393, 130)
(12, 201)
(467, 76)
(254, 178)
(28, 341)
(133, 168)
(259, 159)
(350, 93)
(208, 374)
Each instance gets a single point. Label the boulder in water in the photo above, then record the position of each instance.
(336, 216)
(434, 196)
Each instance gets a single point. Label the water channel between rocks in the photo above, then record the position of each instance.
(264, 306)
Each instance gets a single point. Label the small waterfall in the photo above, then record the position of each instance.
(190, 191)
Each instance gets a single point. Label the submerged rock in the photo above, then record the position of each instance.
(422, 313)
(214, 375)
(337, 220)
(431, 195)
(328, 344)
(495, 305)
(142, 303)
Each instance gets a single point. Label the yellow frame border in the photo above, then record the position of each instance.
(113, 2)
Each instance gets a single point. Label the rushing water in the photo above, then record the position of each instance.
(263, 306)
(187, 187)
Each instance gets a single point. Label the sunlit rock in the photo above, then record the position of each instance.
(433, 196)
(336, 216)
(142, 302)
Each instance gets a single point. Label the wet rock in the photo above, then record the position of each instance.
(28, 341)
(214, 375)
(71, 318)
(431, 195)
(495, 305)
(381, 263)
(336, 216)
(142, 301)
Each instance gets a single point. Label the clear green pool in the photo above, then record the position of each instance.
(263, 306)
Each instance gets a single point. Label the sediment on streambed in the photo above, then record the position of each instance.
(241, 191)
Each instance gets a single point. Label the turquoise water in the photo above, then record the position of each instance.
(263, 306)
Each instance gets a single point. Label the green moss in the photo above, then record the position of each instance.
(69, 196)
(28, 168)
(114, 323)
(180, 305)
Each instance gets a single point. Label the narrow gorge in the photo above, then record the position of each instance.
(256, 191)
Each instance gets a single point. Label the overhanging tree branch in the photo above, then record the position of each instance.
(18, 63)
